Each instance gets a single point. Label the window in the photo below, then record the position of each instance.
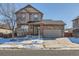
(23, 15)
(24, 27)
(35, 17)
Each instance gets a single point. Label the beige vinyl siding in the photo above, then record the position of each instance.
(5, 31)
(58, 27)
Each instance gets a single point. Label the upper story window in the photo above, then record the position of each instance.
(20, 16)
(23, 15)
(35, 17)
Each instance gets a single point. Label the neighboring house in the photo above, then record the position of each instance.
(4, 29)
(30, 21)
(68, 32)
(76, 27)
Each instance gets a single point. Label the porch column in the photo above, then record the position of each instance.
(30, 31)
(41, 28)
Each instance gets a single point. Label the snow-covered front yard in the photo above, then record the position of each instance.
(57, 43)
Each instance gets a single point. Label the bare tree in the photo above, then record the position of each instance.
(7, 10)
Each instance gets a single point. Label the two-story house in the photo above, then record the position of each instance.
(30, 22)
(76, 27)
(25, 16)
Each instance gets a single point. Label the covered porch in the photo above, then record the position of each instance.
(36, 28)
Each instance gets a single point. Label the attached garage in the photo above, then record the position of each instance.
(53, 33)
(49, 28)
(53, 29)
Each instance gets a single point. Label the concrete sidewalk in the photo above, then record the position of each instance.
(26, 52)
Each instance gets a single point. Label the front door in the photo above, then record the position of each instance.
(36, 30)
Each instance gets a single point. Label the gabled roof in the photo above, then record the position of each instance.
(28, 6)
(53, 22)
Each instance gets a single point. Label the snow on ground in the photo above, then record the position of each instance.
(28, 42)
(7, 46)
(66, 42)
(58, 43)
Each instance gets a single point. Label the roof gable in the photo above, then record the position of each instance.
(29, 9)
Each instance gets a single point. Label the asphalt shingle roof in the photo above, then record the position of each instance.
(57, 22)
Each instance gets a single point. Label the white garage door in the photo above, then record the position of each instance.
(53, 33)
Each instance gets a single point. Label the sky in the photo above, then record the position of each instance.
(56, 11)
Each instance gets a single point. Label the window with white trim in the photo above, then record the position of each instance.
(24, 28)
